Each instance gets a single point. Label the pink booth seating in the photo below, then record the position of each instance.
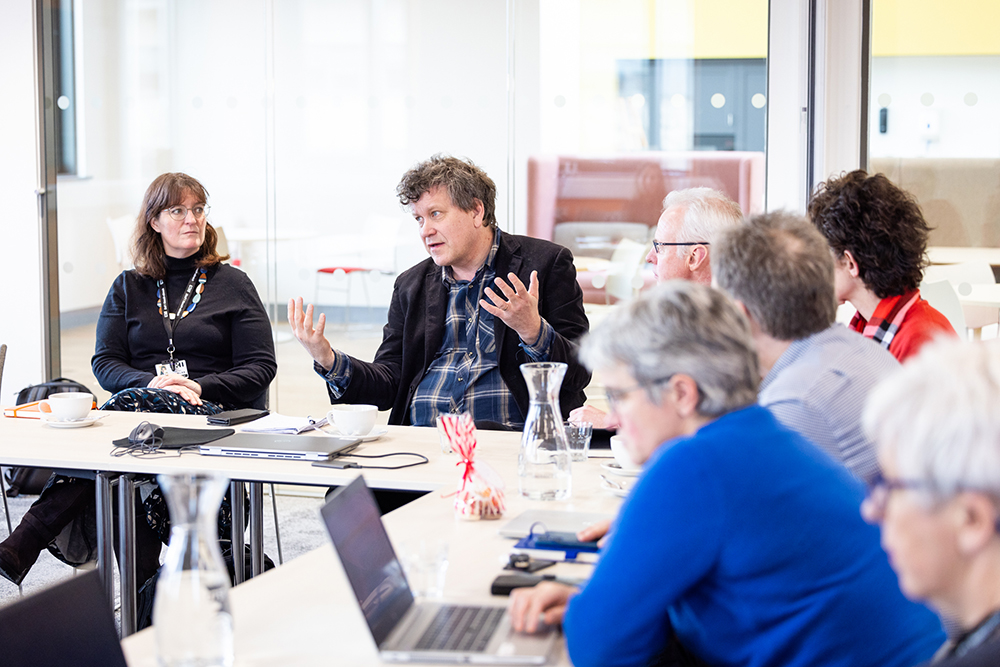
(589, 204)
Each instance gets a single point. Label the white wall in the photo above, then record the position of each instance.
(957, 129)
(20, 251)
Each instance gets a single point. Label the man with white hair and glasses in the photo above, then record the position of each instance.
(681, 250)
(937, 428)
(740, 538)
(816, 373)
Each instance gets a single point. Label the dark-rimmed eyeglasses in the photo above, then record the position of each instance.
(879, 490)
(615, 396)
(657, 245)
(179, 213)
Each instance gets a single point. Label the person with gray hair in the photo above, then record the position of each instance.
(684, 233)
(937, 430)
(690, 220)
(740, 542)
(817, 374)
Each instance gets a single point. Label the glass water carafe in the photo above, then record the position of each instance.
(191, 617)
(543, 465)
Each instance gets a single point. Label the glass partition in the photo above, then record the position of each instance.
(935, 97)
(300, 116)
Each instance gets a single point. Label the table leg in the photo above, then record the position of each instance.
(236, 494)
(256, 528)
(126, 552)
(105, 532)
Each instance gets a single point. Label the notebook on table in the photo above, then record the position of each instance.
(406, 630)
(270, 446)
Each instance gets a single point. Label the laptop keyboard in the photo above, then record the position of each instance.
(461, 629)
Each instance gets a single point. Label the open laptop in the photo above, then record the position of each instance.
(68, 624)
(271, 446)
(424, 631)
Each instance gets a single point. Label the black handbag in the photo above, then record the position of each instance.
(31, 480)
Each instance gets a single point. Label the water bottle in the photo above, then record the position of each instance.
(543, 464)
(191, 617)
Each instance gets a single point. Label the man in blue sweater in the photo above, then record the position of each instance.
(741, 542)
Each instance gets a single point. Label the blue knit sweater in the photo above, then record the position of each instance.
(748, 541)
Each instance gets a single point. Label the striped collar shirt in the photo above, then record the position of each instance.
(818, 387)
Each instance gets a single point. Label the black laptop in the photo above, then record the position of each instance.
(68, 624)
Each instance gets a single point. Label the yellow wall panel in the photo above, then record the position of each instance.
(935, 27)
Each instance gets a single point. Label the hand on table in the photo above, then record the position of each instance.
(310, 336)
(543, 602)
(589, 413)
(595, 531)
(519, 310)
(184, 387)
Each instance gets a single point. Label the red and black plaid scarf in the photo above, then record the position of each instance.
(886, 319)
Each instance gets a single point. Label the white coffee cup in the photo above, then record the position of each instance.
(622, 455)
(353, 419)
(67, 405)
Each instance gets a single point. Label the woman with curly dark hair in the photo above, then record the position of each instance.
(879, 237)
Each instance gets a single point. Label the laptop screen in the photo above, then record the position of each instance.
(355, 526)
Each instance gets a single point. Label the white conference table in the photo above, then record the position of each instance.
(958, 255)
(304, 613)
(28, 442)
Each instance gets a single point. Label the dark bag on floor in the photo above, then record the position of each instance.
(30, 481)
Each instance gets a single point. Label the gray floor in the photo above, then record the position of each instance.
(298, 519)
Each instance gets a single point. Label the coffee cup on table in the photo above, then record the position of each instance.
(353, 419)
(67, 406)
(622, 456)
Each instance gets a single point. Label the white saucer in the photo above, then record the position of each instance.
(75, 423)
(374, 434)
(621, 493)
(613, 467)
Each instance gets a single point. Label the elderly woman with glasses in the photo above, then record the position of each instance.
(182, 332)
(937, 428)
(741, 543)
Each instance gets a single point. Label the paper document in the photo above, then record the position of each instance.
(276, 423)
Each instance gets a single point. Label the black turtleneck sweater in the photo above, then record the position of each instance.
(226, 340)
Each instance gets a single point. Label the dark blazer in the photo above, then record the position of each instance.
(413, 335)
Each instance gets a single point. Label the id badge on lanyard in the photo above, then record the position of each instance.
(192, 294)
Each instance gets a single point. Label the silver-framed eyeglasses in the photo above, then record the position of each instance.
(615, 396)
(657, 244)
(179, 213)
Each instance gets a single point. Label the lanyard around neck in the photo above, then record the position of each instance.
(197, 280)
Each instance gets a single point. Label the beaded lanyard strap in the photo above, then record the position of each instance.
(195, 298)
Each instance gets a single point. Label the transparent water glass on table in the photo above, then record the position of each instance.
(578, 439)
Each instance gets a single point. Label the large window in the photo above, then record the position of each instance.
(300, 116)
(935, 100)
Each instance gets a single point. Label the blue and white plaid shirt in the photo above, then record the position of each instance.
(464, 376)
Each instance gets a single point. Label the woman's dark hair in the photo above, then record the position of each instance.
(147, 245)
(464, 181)
(880, 224)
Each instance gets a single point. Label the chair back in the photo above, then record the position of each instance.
(943, 298)
(623, 280)
(961, 276)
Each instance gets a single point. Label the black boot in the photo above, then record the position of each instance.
(58, 505)
(20, 551)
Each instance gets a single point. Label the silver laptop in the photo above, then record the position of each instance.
(271, 446)
(553, 520)
(424, 631)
